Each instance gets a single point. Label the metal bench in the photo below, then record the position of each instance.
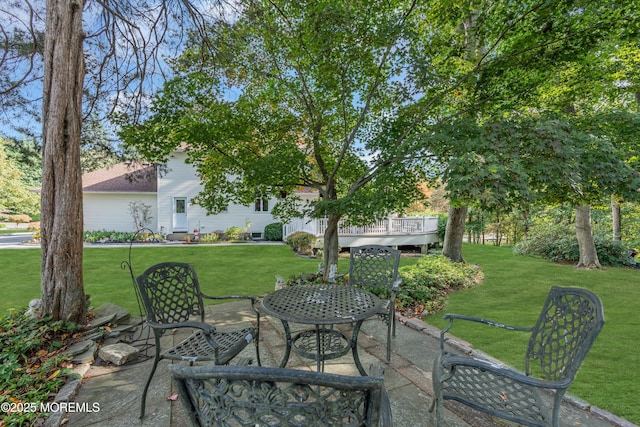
(568, 324)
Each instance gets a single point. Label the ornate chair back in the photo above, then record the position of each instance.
(250, 396)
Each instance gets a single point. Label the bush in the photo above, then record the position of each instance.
(210, 238)
(302, 243)
(109, 236)
(426, 284)
(22, 218)
(558, 243)
(233, 233)
(273, 232)
(3, 225)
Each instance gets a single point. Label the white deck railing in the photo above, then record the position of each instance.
(387, 227)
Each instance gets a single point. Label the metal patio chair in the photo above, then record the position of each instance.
(568, 325)
(172, 298)
(375, 268)
(251, 396)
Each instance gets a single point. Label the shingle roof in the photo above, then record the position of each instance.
(122, 177)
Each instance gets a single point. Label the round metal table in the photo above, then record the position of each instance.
(321, 305)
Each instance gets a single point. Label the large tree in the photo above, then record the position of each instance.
(118, 43)
(336, 96)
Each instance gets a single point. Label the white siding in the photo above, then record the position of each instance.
(110, 211)
(181, 181)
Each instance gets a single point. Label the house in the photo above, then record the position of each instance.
(109, 193)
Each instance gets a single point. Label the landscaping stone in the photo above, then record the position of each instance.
(101, 321)
(108, 309)
(88, 356)
(79, 347)
(118, 354)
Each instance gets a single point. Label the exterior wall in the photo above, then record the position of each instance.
(110, 211)
(181, 181)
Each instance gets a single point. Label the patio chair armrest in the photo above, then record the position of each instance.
(205, 327)
(396, 284)
(450, 361)
(452, 316)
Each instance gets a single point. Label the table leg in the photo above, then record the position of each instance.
(354, 348)
(288, 340)
(319, 358)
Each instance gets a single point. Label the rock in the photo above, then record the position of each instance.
(118, 354)
(101, 321)
(79, 347)
(108, 309)
(88, 356)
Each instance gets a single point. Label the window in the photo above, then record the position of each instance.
(262, 205)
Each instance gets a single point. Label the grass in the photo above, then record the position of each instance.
(513, 292)
(222, 270)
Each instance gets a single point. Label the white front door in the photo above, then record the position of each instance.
(180, 223)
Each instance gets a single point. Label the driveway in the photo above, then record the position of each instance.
(12, 240)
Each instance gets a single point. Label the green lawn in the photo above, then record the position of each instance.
(513, 292)
(222, 270)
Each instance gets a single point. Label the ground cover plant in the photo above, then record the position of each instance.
(513, 291)
(33, 366)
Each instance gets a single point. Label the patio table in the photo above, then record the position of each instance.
(322, 305)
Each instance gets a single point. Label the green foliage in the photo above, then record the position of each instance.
(273, 232)
(442, 226)
(108, 236)
(15, 195)
(558, 243)
(425, 285)
(210, 238)
(302, 242)
(32, 363)
(233, 233)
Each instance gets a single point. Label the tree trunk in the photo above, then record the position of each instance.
(616, 219)
(588, 254)
(330, 245)
(452, 247)
(63, 295)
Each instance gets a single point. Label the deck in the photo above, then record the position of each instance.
(408, 231)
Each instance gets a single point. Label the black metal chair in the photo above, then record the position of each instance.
(569, 323)
(252, 396)
(171, 296)
(375, 267)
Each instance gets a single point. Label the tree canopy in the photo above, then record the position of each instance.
(346, 98)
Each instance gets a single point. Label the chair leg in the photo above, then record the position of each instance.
(146, 386)
(389, 340)
(257, 338)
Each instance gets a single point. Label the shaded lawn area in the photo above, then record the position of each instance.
(513, 292)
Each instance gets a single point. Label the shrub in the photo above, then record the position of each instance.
(558, 243)
(111, 236)
(22, 218)
(3, 225)
(426, 284)
(302, 242)
(210, 238)
(233, 233)
(273, 232)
